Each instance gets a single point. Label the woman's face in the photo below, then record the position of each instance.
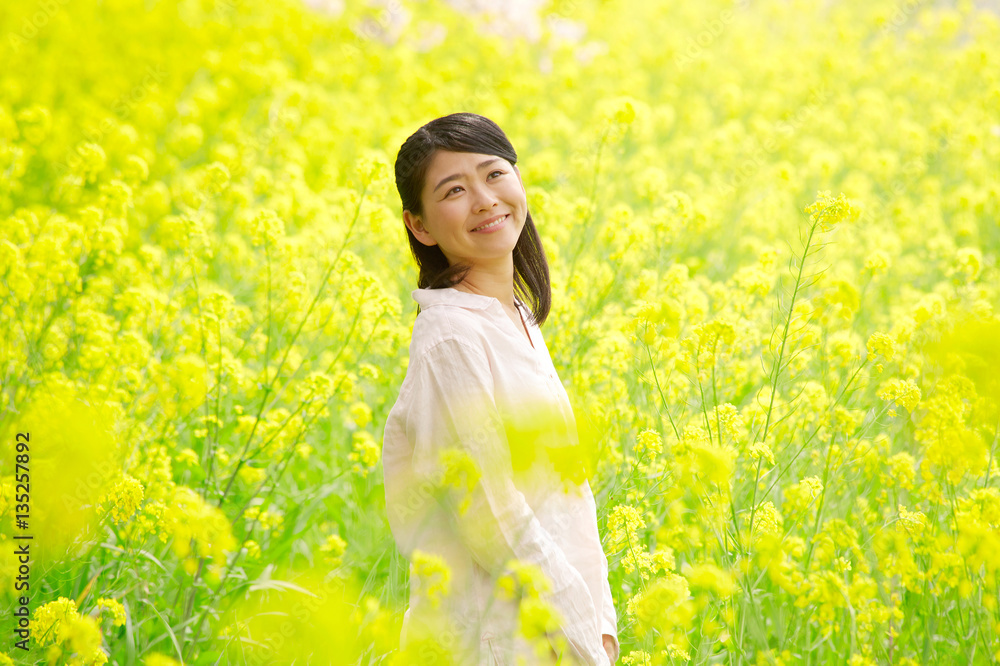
(463, 191)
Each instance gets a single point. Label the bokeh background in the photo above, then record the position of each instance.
(772, 230)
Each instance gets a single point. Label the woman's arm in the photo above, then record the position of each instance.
(609, 618)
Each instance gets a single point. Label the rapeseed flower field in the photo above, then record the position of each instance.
(772, 229)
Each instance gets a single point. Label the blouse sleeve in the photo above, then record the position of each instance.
(452, 407)
(609, 618)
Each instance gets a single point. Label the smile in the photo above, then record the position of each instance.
(492, 225)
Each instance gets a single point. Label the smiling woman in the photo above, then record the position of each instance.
(484, 474)
(472, 155)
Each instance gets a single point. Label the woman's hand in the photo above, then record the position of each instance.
(610, 648)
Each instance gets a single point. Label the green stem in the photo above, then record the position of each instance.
(776, 367)
(659, 389)
(267, 388)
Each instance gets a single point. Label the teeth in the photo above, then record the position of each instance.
(491, 224)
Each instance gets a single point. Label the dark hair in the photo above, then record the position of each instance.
(468, 133)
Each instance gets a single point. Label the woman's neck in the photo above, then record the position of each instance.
(499, 286)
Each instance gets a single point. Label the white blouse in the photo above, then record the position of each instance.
(473, 385)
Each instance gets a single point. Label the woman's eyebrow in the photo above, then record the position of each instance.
(456, 176)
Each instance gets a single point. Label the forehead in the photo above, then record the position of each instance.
(446, 162)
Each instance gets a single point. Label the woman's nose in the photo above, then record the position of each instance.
(484, 199)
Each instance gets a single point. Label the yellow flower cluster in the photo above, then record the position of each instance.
(196, 529)
(114, 607)
(460, 474)
(623, 524)
(333, 549)
(827, 210)
(124, 499)
(648, 444)
(434, 575)
(523, 580)
(72, 638)
(902, 392)
(365, 452)
(664, 607)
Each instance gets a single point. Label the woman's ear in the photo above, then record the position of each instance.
(416, 227)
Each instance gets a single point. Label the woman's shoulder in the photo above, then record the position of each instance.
(445, 341)
(444, 326)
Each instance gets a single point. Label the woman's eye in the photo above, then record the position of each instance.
(459, 187)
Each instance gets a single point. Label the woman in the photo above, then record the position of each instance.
(476, 446)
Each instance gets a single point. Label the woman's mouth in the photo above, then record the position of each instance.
(492, 226)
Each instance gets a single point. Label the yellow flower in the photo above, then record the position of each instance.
(663, 606)
(648, 444)
(333, 549)
(911, 522)
(762, 452)
(361, 414)
(124, 498)
(766, 520)
(187, 456)
(373, 167)
(675, 651)
(882, 344)
(523, 579)
(968, 263)
(727, 417)
(89, 161)
(753, 280)
(633, 559)
(194, 523)
(637, 658)
(827, 210)
(215, 177)
(49, 620)
(905, 393)
(626, 114)
(82, 636)
(114, 607)
(433, 574)
(714, 463)
(251, 475)
(268, 228)
(877, 263)
(253, 549)
(799, 495)
(902, 471)
(707, 576)
(538, 617)
(366, 452)
(664, 559)
(460, 474)
(623, 523)
(713, 333)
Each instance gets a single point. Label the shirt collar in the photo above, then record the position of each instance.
(451, 296)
